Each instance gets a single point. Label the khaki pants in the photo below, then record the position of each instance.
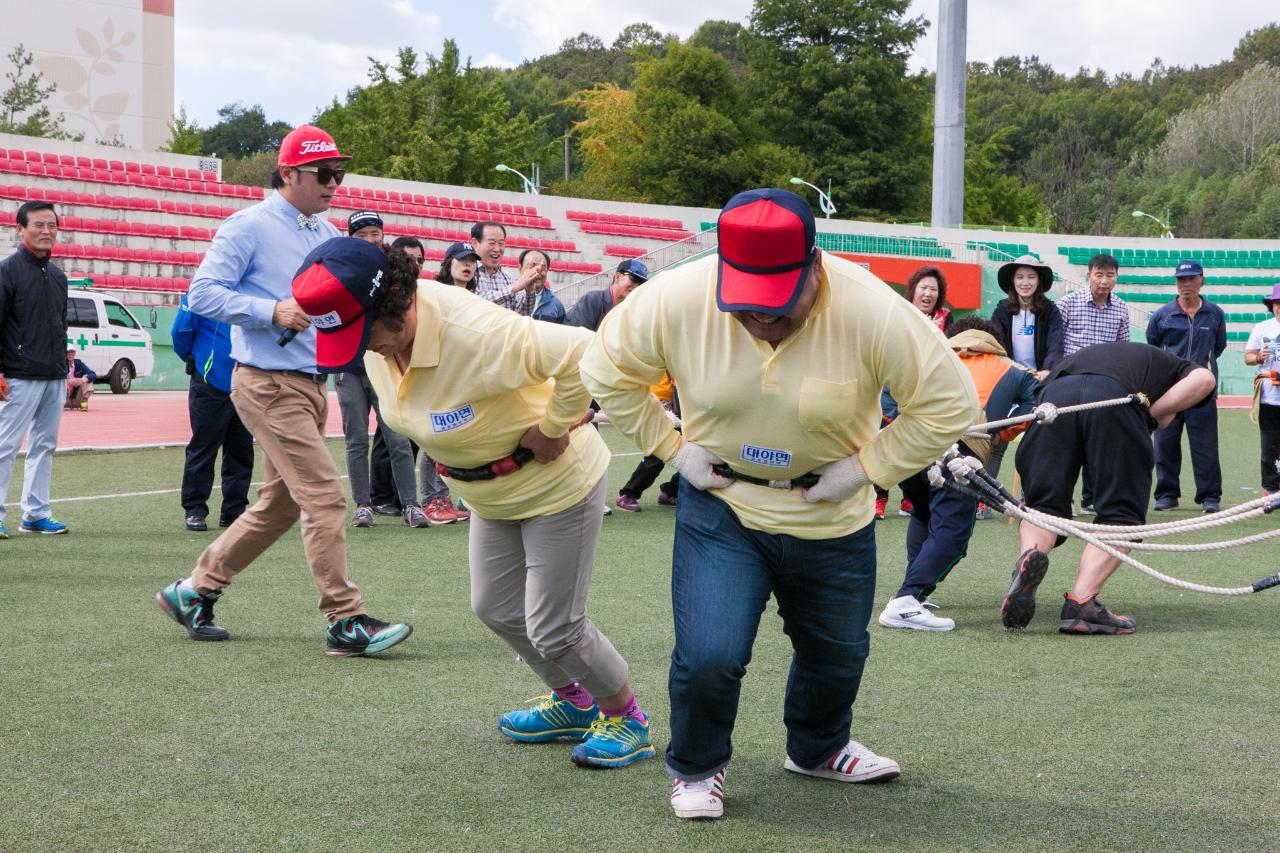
(529, 583)
(286, 414)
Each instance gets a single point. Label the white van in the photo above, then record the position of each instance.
(108, 338)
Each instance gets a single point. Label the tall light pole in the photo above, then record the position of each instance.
(948, 114)
(1168, 229)
(825, 204)
(529, 186)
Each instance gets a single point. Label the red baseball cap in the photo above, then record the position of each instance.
(336, 285)
(305, 144)
(767, 240)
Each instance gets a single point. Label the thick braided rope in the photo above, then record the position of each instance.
(1064, 410)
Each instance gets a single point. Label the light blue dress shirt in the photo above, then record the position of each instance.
(248, 269)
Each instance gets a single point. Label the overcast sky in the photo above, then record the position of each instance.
(293, 61)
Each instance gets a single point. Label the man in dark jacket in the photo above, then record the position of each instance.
(589, 310)
(33, 364)
(205, 345)
(1195, 329)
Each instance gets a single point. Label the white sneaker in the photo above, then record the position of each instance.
(905, 612)
(608, 510)
(704, 799)
(854, 763)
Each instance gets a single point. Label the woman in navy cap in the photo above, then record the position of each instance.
(459, 266)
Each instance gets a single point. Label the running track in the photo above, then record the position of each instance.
(159, 418)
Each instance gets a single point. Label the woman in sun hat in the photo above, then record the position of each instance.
(1263, 350)
(1028, 318)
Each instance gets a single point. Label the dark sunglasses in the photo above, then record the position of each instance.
(324, 174)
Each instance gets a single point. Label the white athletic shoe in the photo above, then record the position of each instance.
(854, 763)
(704, 799)
(905, 612)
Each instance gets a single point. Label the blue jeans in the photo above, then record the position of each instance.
(35, 405)
(722, 577)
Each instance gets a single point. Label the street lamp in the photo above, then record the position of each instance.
(1168, 229)
(529, 186)
(825, 204)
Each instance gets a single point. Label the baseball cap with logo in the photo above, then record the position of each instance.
(459, 251)
(361, 219)
(1188, 268)
(336, 285)
(305, 144)
(634, 268)
(767, 242)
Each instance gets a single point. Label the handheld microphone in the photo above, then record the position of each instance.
(289, 334)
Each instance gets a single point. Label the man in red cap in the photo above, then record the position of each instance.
(245, 281)
(780, 352)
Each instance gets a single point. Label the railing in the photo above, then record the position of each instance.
(659, 259)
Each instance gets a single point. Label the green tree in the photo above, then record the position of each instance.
(1260, 45)
(244, 131)
(22, 105)
(445, 122)
(185, 135)
(993, 197)
(725, 38)
(829, 78)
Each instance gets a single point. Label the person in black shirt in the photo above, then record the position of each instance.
(1116, 443)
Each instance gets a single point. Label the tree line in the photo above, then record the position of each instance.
(819, 89)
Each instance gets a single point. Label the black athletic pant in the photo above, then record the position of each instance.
(642, 478)
(1202, 437)
(1269, 431)
(215, 425)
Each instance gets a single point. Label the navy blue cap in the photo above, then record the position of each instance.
(362, 219)
(1186, 269)
(634, 268)
(460, 250)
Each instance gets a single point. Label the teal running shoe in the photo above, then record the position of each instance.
(4, 531)
(42, 525)
(549, 718)
(192, 611)
(614, 742)
(363, 635)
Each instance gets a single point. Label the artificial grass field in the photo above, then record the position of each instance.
(118, 733)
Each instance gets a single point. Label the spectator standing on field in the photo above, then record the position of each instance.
(205, 345)
(1263, 350)
(245, 280)
(33, 364)
(1195, 329)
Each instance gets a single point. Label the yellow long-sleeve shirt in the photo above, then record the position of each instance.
(479, 376)
(779, 413)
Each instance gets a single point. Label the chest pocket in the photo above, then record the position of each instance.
(826, 405)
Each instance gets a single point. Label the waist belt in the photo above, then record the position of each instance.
(489, 471)
(804, 481)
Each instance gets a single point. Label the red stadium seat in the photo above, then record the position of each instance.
(16, 154)
(115, 166)
(99, 163)
(84, 162)
(148, 168)
(133, 168)
(69, 250)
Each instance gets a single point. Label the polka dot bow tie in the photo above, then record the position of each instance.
(312, 222)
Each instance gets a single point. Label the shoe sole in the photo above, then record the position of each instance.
(176, 616)
(374, 648)
(1079, 626)
(1019, 604)
(893, 622)
(1165, 508)
(545, 737)
(619, 761)
(45, 532)
(628, 509)
(887, 773)
(706, 813)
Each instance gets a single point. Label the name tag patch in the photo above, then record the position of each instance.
(767, 456)
(327, 321)
(446, 421)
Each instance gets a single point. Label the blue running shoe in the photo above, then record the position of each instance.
(4, 531)
(614, 742)
(549, 718)
(42, 525)
(192, 611)
(363, 635)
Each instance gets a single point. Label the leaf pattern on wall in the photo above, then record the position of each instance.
(75, 79)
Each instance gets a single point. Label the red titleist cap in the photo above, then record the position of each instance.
(305, 144)
(767, 239)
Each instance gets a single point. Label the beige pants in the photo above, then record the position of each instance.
(529, 582)
(286, 414)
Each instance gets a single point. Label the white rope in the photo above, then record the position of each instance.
(1109, 542)
(1047, 412)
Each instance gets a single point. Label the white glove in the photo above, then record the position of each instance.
(962, 468)
(694, 462)
(837, 481)
(670, 412)
(1046, 413)
(936, 478)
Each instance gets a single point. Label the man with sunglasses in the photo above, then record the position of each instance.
(245, 280)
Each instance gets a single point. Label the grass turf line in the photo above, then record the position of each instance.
(119, 733)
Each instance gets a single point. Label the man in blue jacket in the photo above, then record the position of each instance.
(1195, 329)
(205, 345)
